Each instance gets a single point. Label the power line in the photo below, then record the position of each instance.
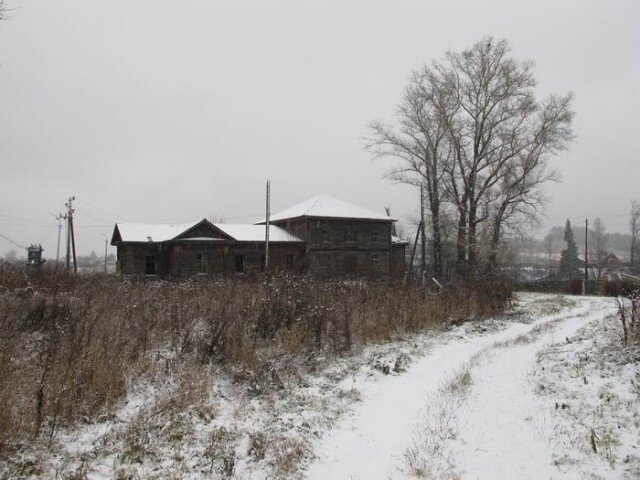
(17, 245)
(115, 215)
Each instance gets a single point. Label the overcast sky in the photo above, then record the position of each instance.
(157, 111)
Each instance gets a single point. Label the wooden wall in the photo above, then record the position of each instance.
(193, 258)
(343, 247)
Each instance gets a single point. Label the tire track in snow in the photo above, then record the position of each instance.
(505, 432)
(370, 443)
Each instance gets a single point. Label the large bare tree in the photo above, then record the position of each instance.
(419, 141)
(472, 132)
(499, 134)
(518, 195)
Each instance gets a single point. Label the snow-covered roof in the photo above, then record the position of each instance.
(397, 240)
(256, 233)
(325, 206)
(144, 232)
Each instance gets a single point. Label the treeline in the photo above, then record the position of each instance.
(471, 135)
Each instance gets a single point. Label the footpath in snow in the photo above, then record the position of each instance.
(499, 429)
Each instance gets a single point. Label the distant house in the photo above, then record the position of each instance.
(323, 236)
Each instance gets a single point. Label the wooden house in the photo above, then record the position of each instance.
(202, 248)
(342, 239)
(323, 236)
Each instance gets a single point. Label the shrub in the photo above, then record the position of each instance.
(70, 345)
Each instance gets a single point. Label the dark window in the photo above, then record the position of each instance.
(374, 237)
(203, 267)
(375, 261)
(239, 263)
(150, 265)
(289, 261)
(350, 235)
(323, 261)
(324, 236)
(350, 264)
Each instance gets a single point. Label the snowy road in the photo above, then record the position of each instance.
(502, 429)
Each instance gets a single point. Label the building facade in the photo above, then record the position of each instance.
(323, 236)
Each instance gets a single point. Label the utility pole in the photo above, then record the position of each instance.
(413, 253)
(105, 253)
(70, 234)
(586, 250)
(423, 244)
(59, 217)
(266, 233)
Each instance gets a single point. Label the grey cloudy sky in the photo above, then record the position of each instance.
(157, 111)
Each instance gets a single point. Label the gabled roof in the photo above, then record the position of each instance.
(144, 232)
(256, 233)
(325, 206)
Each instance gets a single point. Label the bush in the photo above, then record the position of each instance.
(70, 345)
(619, 287)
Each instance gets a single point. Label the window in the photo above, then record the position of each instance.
(350, 264)
(374, 237)
(323, 261)
(239, 263)
(289, 261)
(150, 265)
(350, 235)
(324, 236)
(203, 266)
(375, 261)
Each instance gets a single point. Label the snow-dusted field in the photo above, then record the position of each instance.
(547, 391)
(481, 407)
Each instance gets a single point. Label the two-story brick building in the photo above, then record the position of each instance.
(323, 236)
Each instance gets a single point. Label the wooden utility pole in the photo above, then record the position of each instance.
(105, 252)
(68, 255)
(413, 252)
(71, 239)
(423, 243)
(266, 233)
(586, 251)
(59, 218)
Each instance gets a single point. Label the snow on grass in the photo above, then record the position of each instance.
(372, 442)
(590, 390)
(349, 417)
(478, 409)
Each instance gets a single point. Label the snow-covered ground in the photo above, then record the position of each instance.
(511, 397)
(473, 409)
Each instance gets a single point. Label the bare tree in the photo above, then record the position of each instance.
(499, 136)
(598, 254)
(634, 225)
(471, 131)
(418, 141)
(548, 243)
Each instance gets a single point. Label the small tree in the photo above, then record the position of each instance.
(599, 254)
(548, 244)
(569, 257)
